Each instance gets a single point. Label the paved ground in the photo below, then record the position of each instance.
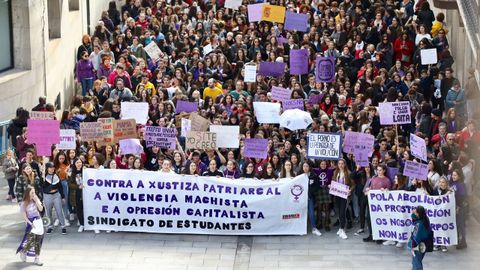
(188, 252)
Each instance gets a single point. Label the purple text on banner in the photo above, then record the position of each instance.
(325, 69)
(255, 12)
(418, 147)
(255, 148)
(293, 104)
(186, 106)
(315, 99)
(130, 146)
(361, 159)
(43, 131)
(164, 138)
(391, 172)
(395, 113)
(274, 69)
(296, 21)
(355, 142)
(415, 169)
(298, 62)
(280, 94)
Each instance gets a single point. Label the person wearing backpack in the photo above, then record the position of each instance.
(422, 235)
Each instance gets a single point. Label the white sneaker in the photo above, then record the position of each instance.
(343, 235)
(23, 256)
(339, 231)
(67, 223)
(38, 262)
(388, 243)
(80, 228)
(14, 200)
(316, 232)
(56, 223)
(72, 217)
(399, 245)
(97, 231)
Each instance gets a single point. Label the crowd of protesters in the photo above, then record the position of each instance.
(377, 49)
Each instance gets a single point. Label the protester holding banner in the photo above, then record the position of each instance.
(343, 176)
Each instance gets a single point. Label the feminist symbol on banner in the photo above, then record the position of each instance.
(296, 191)
(325, 69)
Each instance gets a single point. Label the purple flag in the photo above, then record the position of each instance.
(298, 62)
(186, 106)
(280, 94)
(293, 104)
(296, 21)
(255, 148)
(325, 69)
(395, 113)
(164, 138)
(391, 172)
(274, 69)
(315, 99)
(416, 170)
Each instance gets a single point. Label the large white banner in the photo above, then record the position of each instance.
(390, 214)
(145, 201)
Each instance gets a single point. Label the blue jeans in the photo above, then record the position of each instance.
(66, 205)
(417, 261)
(311, 212)
(87, 84)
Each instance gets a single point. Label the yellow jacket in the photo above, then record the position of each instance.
(437, 26)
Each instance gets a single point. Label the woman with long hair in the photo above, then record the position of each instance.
(75, 179)
(342, 176)
(421, 229)
(10, 169)
(62, 166)
(457, 184)
(53, 196)
(312, 189)
(31, 242)
(27, 178)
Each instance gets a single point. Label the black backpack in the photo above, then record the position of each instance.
(429, 241)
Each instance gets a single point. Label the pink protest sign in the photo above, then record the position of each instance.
(43, 131)
(293, 104)
(339, 189)
(355, 142)
(280, 94)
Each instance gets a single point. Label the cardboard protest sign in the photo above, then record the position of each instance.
(178, 119)
(390, 215)
(273, 69)
(416, 170)
(291, 104)
(395, 113)
(355, 142)
(233, 4)
(227, 136)
(296, 21)
(255, 12)
(124, 129)
(428, 56)
(130, 146)
(107, 131)
(281, 94)
(339, 190)
(91, 131)
(135, 110)
(186, 106)
(153, 51)
(164, 138)
(272, 13)
(67, 139)
(324, 146)
(267, 112)
(34, 115)
(199, 123)
(201, 140)
(186, 127)
(46, 132)
(325, 69)
(250, 73)
(298, 62)
(255, 148)
(418, 147)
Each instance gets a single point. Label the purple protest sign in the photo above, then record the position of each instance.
(415, 169)
(325, 69)
(274, 69)
(186, 106)
(296, 21)
(394, 113)
(255, 148)
(43, 131)
(315, 99)
(361, 159)
(355, 142)
(391, 172)
(281, 40)
(280, 94)
(44, 149)
(339, 190)
(255, 12)
(293, 104)
(130, 146)
(164, 138)
(298, 62)
(418, 147)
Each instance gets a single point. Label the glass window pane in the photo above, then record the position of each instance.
(5, 40)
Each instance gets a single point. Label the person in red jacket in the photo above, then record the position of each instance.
(469, 137)
(403, 48)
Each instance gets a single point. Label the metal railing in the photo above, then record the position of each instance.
(4, 143)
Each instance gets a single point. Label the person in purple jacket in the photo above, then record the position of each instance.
(458, 186)
(85, 73)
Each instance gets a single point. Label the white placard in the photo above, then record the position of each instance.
(67, 139)
(186, 127)
(324, 146)
(267, 112)
(153, 51)
(157, 202)
(428, 56)
(418, 147)
(339, 189)
(250, 73)
(207, 49)
(233, 4)
(135, 110)
(227, 136)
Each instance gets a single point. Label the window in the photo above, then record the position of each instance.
(54, 18)
(6, 42)
(73, 5)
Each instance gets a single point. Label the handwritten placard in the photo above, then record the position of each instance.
(339, 190)
(201, 140)
(293, 104)
(124, 129)
(67, 139)
(324, 146)
(164, 138)
(34, 115)
(281, 94)
(255, 148)
(395, 113)
(91, 131)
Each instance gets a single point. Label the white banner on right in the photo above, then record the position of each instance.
(390, 214)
